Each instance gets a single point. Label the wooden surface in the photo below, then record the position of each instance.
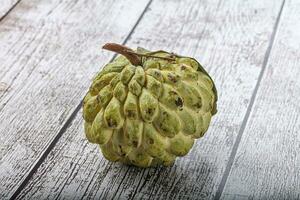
(267, 163)
(49, 52)
(207, 161)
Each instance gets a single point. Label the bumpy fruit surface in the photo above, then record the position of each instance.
(147, 108)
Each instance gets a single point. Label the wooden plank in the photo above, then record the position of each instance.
(6, 6)
(49, 52)
(267, 164)
(231, 38)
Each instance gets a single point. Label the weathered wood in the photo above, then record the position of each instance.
(231, 39)
(267, 164)
(6, 6)
(49, 52)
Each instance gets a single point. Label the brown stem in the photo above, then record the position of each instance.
(133, 57)
(125, 51)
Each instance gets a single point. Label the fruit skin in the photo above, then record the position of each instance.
(148, 115)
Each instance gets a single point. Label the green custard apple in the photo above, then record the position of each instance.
(146, 108)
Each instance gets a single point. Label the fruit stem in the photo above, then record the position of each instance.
(125, 51)
(134, 57)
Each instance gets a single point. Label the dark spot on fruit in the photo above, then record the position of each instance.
(130, 113)
(172, 78)
(156, 73)
(121, 150)
(135, 143)
(198, 105)
(151, 141)
(162, 127)
(172, 93)
(149, 111)
(179, 102)
(183, 67)
(111, 123)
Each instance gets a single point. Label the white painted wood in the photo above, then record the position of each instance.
(267, 164)
(230, 38)
(6, 6)
(49, 52)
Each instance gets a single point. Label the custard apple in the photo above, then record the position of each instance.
(146, 108)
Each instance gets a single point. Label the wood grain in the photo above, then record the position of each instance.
(231, 39)
(49, 52)
(6, 6)
(267, 164)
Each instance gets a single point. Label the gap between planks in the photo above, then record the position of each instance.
(9, 10)
(69, 120)
(249, 109)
